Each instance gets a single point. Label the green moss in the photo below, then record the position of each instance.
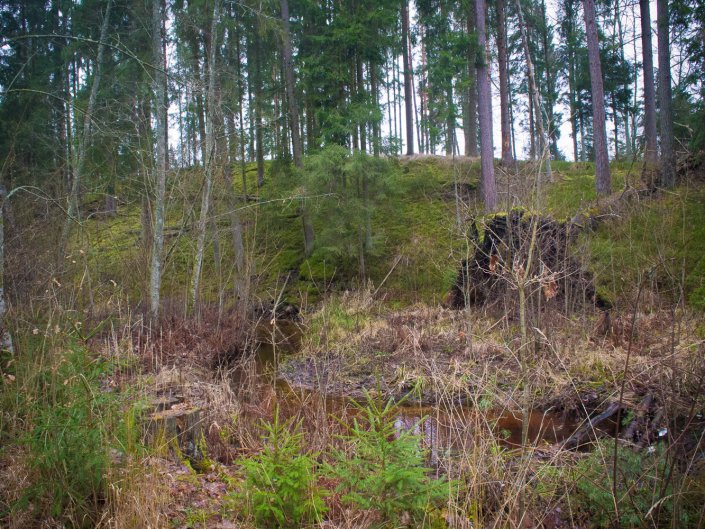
(322, 266)
(416, 247)
(659, 244)
(573, 189)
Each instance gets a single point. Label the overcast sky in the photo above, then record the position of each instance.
(630, 17)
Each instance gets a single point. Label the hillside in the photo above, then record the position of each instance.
(604, 351)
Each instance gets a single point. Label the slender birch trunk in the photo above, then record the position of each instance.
(5, 336)
(538, 114)
(210, 160)
(161, 123)
(79, 163)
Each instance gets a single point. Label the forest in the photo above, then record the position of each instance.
(352, 264)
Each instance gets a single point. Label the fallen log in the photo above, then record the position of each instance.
(582, 435)
(640, 420)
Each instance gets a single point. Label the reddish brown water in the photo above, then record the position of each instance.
(443, 428)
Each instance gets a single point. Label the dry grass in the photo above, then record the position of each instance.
(138, 497)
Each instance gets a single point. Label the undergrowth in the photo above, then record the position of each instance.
(382, 467)
(659, 244)
(280, 488)
(651, 490)
(55, 408)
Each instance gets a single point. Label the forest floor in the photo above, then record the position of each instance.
(321, 346)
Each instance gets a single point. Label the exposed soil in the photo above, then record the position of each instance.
(508, 243)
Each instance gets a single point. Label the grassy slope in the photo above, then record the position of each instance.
(415, 238)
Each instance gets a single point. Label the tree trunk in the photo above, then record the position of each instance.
(259, 132)
(550, 87)
(507, 159)
(309, 237)
(603, 181)
(79, 163)
(374, 87)
(470, 126)
(209, 161)
(5, 336)
(416, 112)
(408, 87)
(160, 108)
(165, 80)
(240, 108)
(625, 114)
(538, 117)
(532, 127)
(361, 97)
(291, 86)
(668, 155)
(200, 107)
(450, 121)
(235, 222)
(650, 146)
(484, 96)
(390, 136)
(615, 121)
(572, 99)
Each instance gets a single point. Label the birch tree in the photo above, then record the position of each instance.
(210, 160)
(5, 336)
(543, 137)
(161, 125)
(84, 141)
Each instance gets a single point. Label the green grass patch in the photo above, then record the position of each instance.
(573, 189)
(660, 244)
(66, 425)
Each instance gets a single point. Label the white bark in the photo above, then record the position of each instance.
(210, 161)
(5, 337)
(87, 119)
(160, 109)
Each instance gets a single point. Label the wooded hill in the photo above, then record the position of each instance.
(262, 264)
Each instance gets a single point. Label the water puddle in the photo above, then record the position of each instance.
(444, 429)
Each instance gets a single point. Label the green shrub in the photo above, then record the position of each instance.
(67, 426)
(280, 484)
(642, 499)
(383, 469)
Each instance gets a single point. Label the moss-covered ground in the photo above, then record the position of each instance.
(416, 245)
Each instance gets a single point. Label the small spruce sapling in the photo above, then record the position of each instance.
(280, 483)
(383, 468)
